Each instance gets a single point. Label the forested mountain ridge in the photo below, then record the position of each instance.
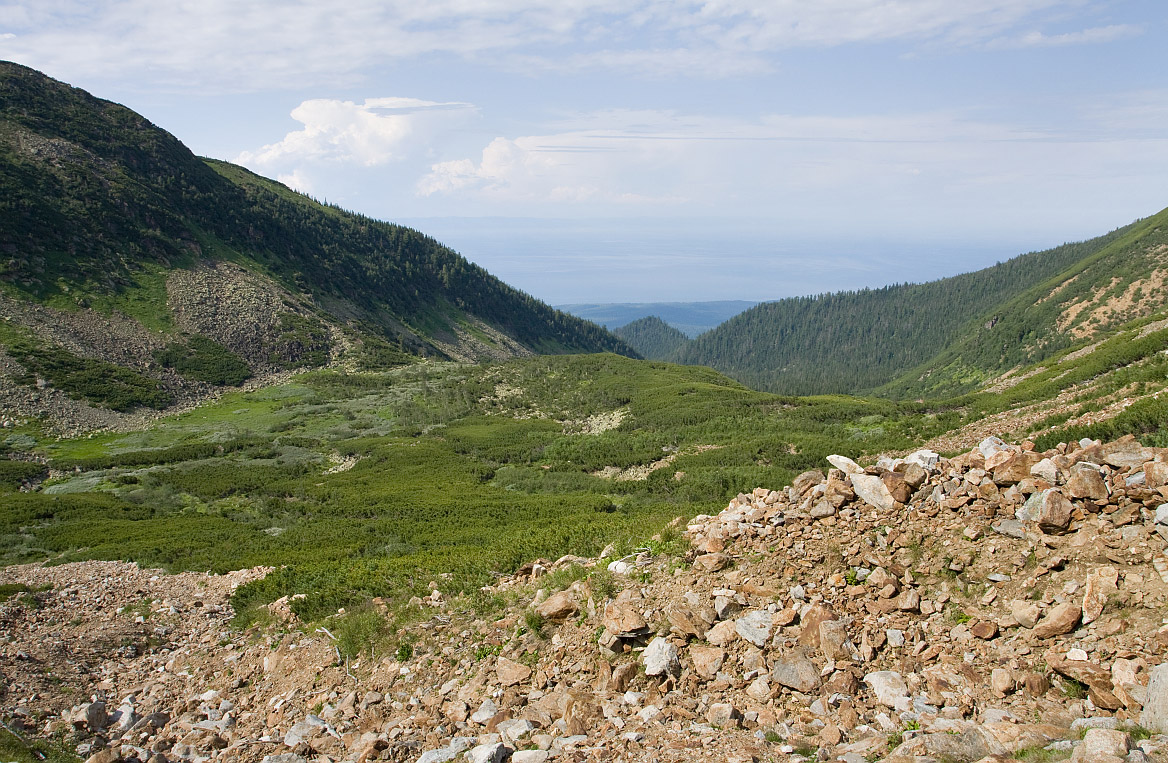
(106, 217)
(860, 340)
(1120, 282)
(652, 337)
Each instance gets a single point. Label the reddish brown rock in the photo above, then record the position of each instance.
(711, 562)
(818, 613)
(1096, 678)
(621, 618)
(985, 630)
(559, 606)
(1062, 619)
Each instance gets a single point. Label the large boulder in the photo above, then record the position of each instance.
(1050, 509)
(872, 491)
(1155, 714)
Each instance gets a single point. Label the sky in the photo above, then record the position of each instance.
(660, 150)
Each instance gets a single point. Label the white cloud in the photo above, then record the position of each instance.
(805, 167)
(371, 133)
(1038, 39)
(228, 45)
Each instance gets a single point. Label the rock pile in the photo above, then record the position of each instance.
(976, 608)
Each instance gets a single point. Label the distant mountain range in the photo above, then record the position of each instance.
(120, 246)
(690, 318)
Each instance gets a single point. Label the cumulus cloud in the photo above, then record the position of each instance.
(227, 45)
(374, 132)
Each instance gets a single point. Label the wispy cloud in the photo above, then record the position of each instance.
(1037, 39)
(226, 45)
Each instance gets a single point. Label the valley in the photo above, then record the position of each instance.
(280, 482)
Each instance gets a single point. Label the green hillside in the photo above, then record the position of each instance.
(652, 337)
(99, 206)
(1117, 283)
(859, 340)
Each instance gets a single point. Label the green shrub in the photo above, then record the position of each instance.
(202, 359)
(96, 381)
(359, 631)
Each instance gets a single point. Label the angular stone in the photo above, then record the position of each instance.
(510, 672)
(1096, 678)
(1001, 682)
(1102, 584)
(1025, 613)
(559, 606)
(622, 619)
(1062, 619)
(1128, 677)
(1050, 509)
(486, 711)
(1100, 744)
(1155, 714)
(1045, 469)
(984, 630)
(660, 658)
(1015, 468)
(689, 622)
(711, 562)
(889, 688)
(1126, 452)
(1086, 482)
(488, 753)
(816, 614)
(844, 464)
(723, 715)
(807, 480)
(723, 633)
(707, 660)
(755, 627)
(833, 640)
(872, 491)
(1156, 474)
(796, 672)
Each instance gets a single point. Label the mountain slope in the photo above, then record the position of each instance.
(860, 340)
(652, 337)
(1119, 283)
(104, 217)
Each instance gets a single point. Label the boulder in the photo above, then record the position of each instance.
(510, 672)
(1086, 482)
(1102, 584)
(559, 606)
(707, 660)
(1155, 714)
(1062, 619)
(660, 658)
(1050, 509)
(796, 672)
(755, 627)
(844, 464)
(621, 618)
(723, 633)
(1096, 678)
(1126, 452)
(889, 688)
(1102, 745)
(872, 491)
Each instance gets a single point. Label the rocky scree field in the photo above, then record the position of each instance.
(1005, 604)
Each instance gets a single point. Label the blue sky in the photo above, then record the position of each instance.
(601, 150)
